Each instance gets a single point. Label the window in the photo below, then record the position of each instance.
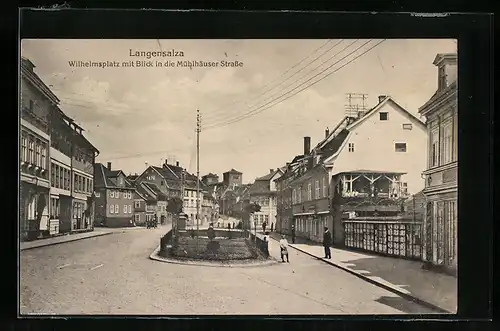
(124, 209)
(53, 175)
(441, 78)
(351, 147)
(434, 150)
(447, 154)
(324, 188)
(111, 194)
(309, 191)
(31, 150)
(37, 159)
(130, 195)
(43, 157)
(24, 149)
(400, 147)
(137, 204)
(111, 209)
(130, 209)
(455, 136)
(67, 179)
(137, 218)
(407, 126)
(405, 188)
(299, 197)
(54, 208)
(316, 190)
(97, 194)
(384, 116)
(31, 105)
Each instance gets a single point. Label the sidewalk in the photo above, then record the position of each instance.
(400, 276)
(64, 238)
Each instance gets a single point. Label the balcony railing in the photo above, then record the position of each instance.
(398, 239)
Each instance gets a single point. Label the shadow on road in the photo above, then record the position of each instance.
(403, 305)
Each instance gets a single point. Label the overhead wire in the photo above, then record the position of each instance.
(260, 109)
(266, 91)
(295, 81)
(242, 100)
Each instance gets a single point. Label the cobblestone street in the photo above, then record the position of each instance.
(113, 274)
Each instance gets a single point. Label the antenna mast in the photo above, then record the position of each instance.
(356, 106)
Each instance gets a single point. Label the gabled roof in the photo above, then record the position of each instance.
(139, 194)
(268, 176)
(103, 177)
(450, 89)
(146, 193)
(159, 195)
(386, 100)
(233, 171)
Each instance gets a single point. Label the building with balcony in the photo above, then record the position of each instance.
(114, 197)
(441, 175)
(263, 192)
(36, 103)
(350, 174)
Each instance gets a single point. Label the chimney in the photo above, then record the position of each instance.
(177, 163)
(307, 145)
(381, 98)
(327, 132)
(271, 171)
(165, 163)
(109, 165)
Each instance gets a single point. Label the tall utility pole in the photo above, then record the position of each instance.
(182, 198)
(198, 129)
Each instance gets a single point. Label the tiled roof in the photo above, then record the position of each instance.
(156, 190)
(233, 171)
(107, 178)
(147, 195)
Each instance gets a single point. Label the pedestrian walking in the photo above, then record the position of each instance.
(327, 241)
(264, 224)
(293, 234)
(272, 227)
(284, 249)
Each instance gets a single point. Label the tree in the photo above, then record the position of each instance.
(252, 208)
(174, 205)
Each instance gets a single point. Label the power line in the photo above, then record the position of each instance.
(260, 109)
(297, 80)
(273, 80)
(295, 73)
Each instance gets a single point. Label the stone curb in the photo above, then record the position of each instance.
(379, 284)
(65, 241)
(155, 257)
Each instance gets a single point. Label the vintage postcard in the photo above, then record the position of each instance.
(238, 177)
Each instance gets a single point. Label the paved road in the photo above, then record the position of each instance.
(113, 275)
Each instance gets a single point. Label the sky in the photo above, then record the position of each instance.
(253, 117)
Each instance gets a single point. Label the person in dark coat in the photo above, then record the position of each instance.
(293, 234)
(272, 227)
(327, 241)
(264, 224)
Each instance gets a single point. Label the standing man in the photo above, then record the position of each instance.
(284, 249)
(293, 234)
(264, 224)
(272, 226)
(327, 241)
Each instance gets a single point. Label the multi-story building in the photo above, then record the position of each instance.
(441, 184)
(165, 179)
(232, 178)
(263, 192)
(72, 159)
(37, 102)
(155, 202)
(350, 173)
(114, 197)
(139, 209)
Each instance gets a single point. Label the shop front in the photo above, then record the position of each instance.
(34, 209)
